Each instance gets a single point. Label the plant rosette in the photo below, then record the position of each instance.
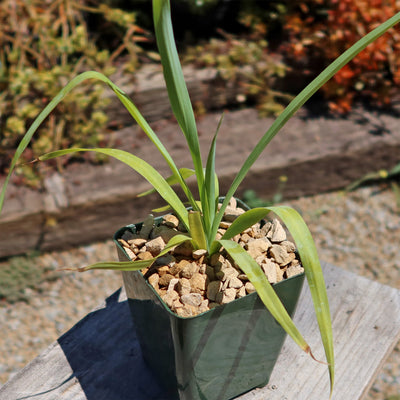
(203, 221)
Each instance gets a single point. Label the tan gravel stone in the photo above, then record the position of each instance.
(235, 283)
(155, 246)
(165, 280)
(204, 306)
(245, 238)
(145, 255)
(177, 267)
(153, 280)
(130, 253)
(170, 297)
(281, 256)
(293, 271)
(137, 242)
(189, 270)
(197, 254)
(257, 247)
(227, 273)
(164, 269)
(269, 268)
(289, 246)
(249, 287)
(226, 296)
(198, 283)
(172, 284)
(241, 292)
(276, 234)
(192, 299)
(183, 286)
(171, 221)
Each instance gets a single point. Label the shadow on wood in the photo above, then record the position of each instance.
(99, 363)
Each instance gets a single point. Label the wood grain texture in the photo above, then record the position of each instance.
(100, 358)
(315, 154)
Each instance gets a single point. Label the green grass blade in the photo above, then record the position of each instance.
(211, 187)
(125, 100)
(134, 265)
(197, 230)
(176, 86)
(171, 180)
(264, 289)
(312, 267)
(298, 101)
(140, 166)
(310, 261)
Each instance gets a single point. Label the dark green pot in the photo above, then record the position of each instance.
(216, 355)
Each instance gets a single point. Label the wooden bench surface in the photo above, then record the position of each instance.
(100, 358)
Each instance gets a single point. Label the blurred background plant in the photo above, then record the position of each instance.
(44, 44)
(389, 177)
(20, 274)
(270, 49)
(317, 31)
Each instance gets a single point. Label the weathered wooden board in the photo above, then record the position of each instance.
(100, 358)
(316, 155)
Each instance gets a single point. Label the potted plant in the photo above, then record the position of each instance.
(197, 237)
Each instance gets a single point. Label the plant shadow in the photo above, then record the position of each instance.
(105, 356)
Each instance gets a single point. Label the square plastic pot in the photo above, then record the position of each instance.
(216, 355)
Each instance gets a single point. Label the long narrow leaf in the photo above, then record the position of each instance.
(134, 265)
(309, 259)
(125, 100)
(171, 180)
(197, 230)
(176, 86)
(312, 267)
(264, 289)
(140, 166)
(298, 101)
(211, 188)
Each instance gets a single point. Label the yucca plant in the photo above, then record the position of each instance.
(203, 220)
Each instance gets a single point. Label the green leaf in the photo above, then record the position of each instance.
(134, 265)
(143, 168)
(197, 230)
(297, 102)
(172, 180)
(395, 170)
(309, 259)
(125, 100)
(264, 289)
(312, 267)
(211, 187)
(176, 86)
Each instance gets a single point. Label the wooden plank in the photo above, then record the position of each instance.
(100, 359)
(366, 325)
(316, 155)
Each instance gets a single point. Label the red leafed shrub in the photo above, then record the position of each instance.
(319, 31)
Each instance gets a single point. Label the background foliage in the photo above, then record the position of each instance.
(319, 30)
(253, 43)
(43, 45)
